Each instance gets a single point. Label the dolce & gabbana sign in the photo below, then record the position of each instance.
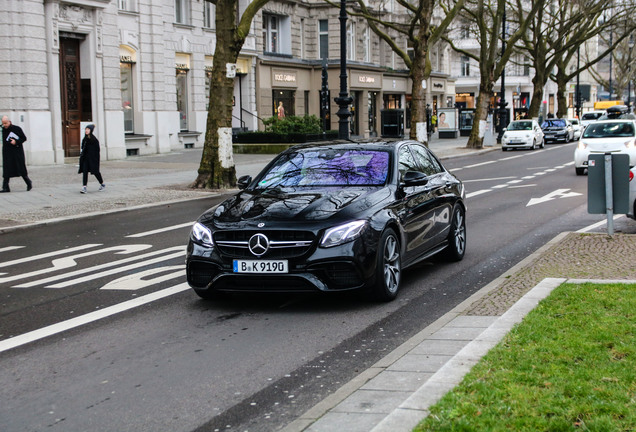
(284, 78)
(366, 80)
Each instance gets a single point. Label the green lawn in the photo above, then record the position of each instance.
(569, 366)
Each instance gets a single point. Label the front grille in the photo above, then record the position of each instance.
(282, 244)
(271, 283)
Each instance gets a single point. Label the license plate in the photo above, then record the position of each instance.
(260, 266)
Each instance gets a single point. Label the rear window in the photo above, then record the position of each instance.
(591, 116)
(609, 130)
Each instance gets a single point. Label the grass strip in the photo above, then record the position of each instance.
(569, 366)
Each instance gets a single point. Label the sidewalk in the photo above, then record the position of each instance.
(395, 393)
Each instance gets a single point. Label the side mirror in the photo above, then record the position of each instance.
(505, 129)
(244, 181)
(415, 178)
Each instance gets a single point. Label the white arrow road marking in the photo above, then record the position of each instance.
(48, 255)
(160, 230)
(67, 262)
(136, 281)
(34, 335)
(99, 267)
(559, 193)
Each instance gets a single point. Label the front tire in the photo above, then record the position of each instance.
(388, 268)
(580, 171)
(457, 235)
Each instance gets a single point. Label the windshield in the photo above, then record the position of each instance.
(328, 167)
(560, 123)
(609, 130)
(520, 125)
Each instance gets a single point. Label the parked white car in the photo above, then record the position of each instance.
(577, 128)
(590, 117)
(522, 134)
(606, 136)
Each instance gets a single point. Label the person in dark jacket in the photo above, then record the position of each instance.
(13, 161)
(89, 158)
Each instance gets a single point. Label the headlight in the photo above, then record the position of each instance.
(202, 234)
(582, 145)
(630, 144)
(342, 234)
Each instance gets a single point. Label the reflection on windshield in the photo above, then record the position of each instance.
(328, 167)
(609, 130)
(520, 125)
(553, 123)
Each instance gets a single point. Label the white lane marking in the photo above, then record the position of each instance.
(160, 230)
(559, 193)
(136, 281)
(48, 254)
(527, 177)
(597, 224)
(97, 267)
(515, 181)
(523, 186)
(67, 262)
(180, 252)
(501, 186)
(488, 179)
(480, 164)
(10, 248)
(511, 157)
(569, 163)
(479, 192)
(53, 329)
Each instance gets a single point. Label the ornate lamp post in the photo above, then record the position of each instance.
(343, 100)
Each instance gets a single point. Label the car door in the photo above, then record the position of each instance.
(417, 208)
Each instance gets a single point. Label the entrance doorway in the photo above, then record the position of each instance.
(71, 95)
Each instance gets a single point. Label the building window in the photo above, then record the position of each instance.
(465, 66)
(306, 102)
(127, 5)
(182, 98)
(127, 101)
(271, 26)
(465, 31)
(302, 38)
(323, 36)
(367, 44)
(209, 14)
(182, 11)
(351, 41)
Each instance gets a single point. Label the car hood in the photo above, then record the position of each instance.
(518, 133)
(292, 206)
(555, 128)
(606, 144)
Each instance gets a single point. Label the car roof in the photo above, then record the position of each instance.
(367, 144)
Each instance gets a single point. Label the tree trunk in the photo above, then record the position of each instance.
(476, 139)
(419, 73)
(217, 170)
(538, 82)
(562, 101)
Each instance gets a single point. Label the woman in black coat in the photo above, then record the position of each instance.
(89, 159)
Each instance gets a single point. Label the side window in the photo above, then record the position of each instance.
(406, 161)
(430, 165)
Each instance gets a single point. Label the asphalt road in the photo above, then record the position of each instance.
(253, 363)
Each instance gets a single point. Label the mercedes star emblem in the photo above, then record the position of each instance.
(258, 244)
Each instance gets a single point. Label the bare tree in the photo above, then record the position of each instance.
(421, 33)
(232, 27)
(485, 18)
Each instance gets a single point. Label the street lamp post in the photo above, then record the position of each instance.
(578, 83)
(343, 100)
(502, 99)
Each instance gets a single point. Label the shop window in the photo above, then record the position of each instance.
(392, 101)
(182, 98)
(351, 41)
(127, 100)
(127, 5)
(323, 36)
(182, 11)
(288, 99)
(209, 14)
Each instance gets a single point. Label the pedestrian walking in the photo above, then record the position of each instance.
(13, 160)
(89, 159)
(434, 122)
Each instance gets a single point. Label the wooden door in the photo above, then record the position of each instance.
(70, 86)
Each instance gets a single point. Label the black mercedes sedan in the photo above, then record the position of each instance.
(330, 217)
